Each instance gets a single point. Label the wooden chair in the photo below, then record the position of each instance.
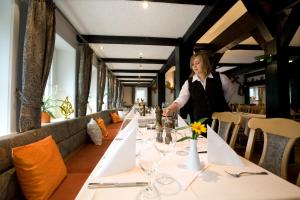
(225, 121)
(279, 136)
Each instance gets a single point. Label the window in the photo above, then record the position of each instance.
(104, 105)
(141, 93)
(92, 100)
(61, 79)
(7, 75)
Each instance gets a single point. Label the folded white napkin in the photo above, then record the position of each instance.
(120, 157)
(131, 126)
(219, 152)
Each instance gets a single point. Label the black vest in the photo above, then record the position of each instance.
(206, 102)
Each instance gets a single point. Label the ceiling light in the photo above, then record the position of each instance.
(141, 54)
(101, 47)
(145, 4)
(290, 61)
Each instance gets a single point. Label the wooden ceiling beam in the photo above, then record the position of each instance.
(134, 76)
(130, 60)
(206, 19)
(134, 71)
(191, 2)
(210, 47)
(290, 27)
(137, 80)
(234, 34)
(260, 11)
(243, 65)
(136, 84)
(104, 39)
(243, 70)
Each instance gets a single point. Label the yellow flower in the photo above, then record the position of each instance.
(198, 128)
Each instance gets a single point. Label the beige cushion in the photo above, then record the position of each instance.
(94, 132)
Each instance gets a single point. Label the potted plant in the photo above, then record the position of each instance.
(46, 112)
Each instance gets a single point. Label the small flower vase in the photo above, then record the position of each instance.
(193, 159)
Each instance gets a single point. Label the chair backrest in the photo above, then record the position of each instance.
(225, 121)
(279, 136)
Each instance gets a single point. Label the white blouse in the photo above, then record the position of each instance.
(184, 94)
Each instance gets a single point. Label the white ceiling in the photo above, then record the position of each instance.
(132, 51)
(128, 18)
(134, 66)
(163, 20)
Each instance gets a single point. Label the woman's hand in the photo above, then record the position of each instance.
(166, 111)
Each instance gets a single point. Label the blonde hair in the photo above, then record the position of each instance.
(206, 66)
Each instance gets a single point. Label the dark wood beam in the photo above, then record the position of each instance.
(214, 60)
(283, 5)
(135, 76)
(210, 47)
(135, 81)
(170, 62)
(104, 39)
(243, 70)
(137, 84)
(293, 51)
(191, 2)
(261, 15)
(134, 71)
(246, 47)
(257, 63)
(290, 27)
(130, 60)
(206, 19)
(234, 34)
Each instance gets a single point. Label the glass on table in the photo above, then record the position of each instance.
(164, 143)
(148, 159)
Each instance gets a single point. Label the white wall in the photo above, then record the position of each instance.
(236, 98)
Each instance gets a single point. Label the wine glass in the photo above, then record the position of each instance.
(164, 143)
(148, 159)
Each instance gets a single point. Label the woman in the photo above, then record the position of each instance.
(208, 91)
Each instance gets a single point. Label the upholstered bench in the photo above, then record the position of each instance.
(79, 153)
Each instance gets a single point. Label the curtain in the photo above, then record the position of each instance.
(133, 94)
(102, 86)
(115, 92)
(84, 79)
(37, 57)
(110, 90)
(121, 95)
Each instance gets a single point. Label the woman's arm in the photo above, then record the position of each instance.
(181, 100)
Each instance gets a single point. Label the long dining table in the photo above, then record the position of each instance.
(211, 182)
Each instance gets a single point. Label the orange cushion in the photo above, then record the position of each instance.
(102, 126)
(40, 168)
(115, 117)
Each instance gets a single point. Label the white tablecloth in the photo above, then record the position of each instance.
(211, 183)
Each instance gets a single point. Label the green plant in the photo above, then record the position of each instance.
(48, 104)
(197, 128)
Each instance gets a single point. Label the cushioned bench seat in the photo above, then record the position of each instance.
(81, 163)
(80, 155)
